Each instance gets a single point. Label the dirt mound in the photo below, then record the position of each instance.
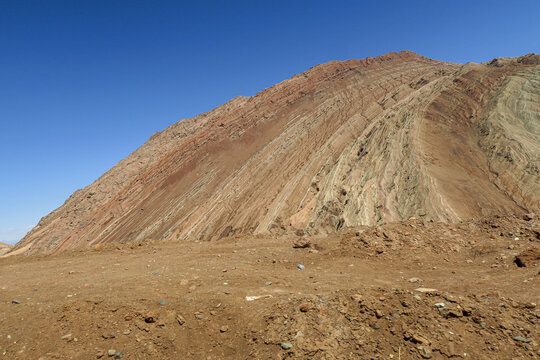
(359, 142)
(371, 323)
(414, 237)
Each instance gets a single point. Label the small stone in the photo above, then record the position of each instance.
(379, 314)
(528, 217)
(414, 280)
(440, 305)
(118, 355)
(425, 352)
(162, 302)
(426, 290)
(66, 337)
(111, 352)
(301, 243)
(224, 328)
(452, 349)
(100, 354)
(268, 283)
(286, 346)
(150, 317)
(304, 308)
(419, 339)
(180, 319)
(15, 301)
(522, 339)
(356, 297)
(451, 313)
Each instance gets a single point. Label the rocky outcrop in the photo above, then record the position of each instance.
(344, 143)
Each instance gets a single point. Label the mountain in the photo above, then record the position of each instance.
(4, 248)
(345, 143)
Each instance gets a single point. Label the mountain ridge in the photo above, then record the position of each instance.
(354, 142)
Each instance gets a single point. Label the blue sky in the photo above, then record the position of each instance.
(84, 83)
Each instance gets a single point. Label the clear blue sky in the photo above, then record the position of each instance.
(84, 83)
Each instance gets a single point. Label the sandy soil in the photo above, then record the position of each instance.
(355, 298)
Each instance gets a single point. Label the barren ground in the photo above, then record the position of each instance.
(356, 297)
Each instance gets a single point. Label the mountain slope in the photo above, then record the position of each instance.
(345, 143)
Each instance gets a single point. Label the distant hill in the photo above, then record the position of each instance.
(4, 248)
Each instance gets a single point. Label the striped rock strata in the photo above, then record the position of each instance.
(344, 143)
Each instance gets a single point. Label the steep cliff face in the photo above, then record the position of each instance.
(345, 143)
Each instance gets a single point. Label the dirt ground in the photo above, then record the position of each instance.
(409, 290)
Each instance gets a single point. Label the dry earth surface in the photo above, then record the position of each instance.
(405, 290)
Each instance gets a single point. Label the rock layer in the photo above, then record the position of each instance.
(342, 144)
